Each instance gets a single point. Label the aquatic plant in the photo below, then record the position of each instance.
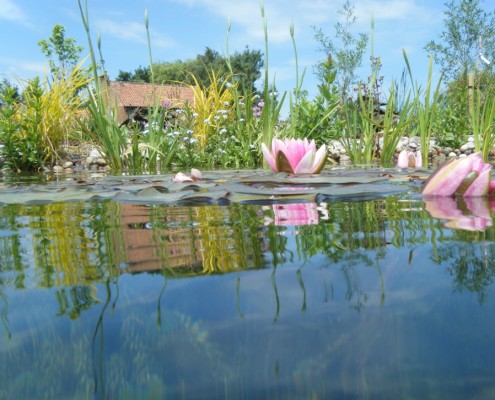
(295, 156)
(468, 176)
(426, 104)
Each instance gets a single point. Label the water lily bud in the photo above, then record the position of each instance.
(468, 176)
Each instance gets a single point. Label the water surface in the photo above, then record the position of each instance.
(384, 298)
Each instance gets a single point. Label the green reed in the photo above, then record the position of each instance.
(426, 105)
(482, 116)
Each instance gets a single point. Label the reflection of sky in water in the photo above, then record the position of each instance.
(411, 318)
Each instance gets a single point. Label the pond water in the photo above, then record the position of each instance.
(379, 297)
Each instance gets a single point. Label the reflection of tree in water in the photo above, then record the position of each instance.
(470, 262)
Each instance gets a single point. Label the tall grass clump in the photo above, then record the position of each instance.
(102, 126)
(426, 105)
(396, 120)
(482, 115)
(359, 132)
(271, 105)
(34, 131)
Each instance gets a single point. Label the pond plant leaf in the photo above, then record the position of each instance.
(217, 187)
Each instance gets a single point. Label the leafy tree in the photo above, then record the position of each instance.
(140, 74)
(346, 58)
(246, 67)
(468, 31)
(62, 53)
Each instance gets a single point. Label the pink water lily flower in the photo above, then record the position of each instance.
(468, 176)
(295, 156)
(409, 159)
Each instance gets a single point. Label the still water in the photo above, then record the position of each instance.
(384, 298)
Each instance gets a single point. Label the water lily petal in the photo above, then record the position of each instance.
(481, 184)
(320, 159)
(305, 166)
(181, 177)
(269, 157)
(196, 174)
(419, 159)
(403, 160)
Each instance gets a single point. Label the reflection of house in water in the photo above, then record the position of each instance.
(151, 245)
(186, 240)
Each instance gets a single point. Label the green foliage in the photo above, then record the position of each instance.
(317, 118)
(246, 66)
(348, 57)
(426, 106)
(33, 131)
(482, 115)
(62, 53)
(452, 126)
(140, 74)
(468, 31)
(6, 85)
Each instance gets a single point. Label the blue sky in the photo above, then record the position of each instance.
(181, 29)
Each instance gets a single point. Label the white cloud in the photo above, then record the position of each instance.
(22, 69)
(11, 11)
(132, 31)
(278, 13)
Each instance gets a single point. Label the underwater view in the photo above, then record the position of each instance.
(348, 286)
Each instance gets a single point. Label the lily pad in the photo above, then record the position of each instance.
(217, 187)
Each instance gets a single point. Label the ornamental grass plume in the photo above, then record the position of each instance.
(295, 156)
(468, 176)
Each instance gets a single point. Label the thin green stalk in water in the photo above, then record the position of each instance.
(294, 104)
(271, 110)
(482, 116)
(426, 105)
(395, 124)
(103, 126)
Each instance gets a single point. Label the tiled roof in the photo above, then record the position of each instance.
(132, 94)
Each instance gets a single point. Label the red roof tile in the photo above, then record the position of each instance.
(132, 94)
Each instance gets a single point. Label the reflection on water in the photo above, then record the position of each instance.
(387, 298)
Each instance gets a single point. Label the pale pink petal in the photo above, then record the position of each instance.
(295, 151)
(320, 159)
(305, 166)
(419, 160)
(269, 157)
(403, 160)
(180, 177)
(481, 184)
(196, 174)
